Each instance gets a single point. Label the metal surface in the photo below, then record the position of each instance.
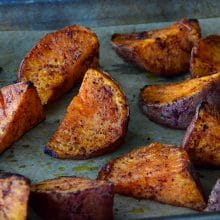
(53, 14)
(26, 156)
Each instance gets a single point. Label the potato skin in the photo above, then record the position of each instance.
(214, 199)
(158, 172)
(178, 111)
(59, 60)
(14, 194)
(93, 201)
(205, 58)
(21, 110)
(164, 52)
(96, 120)
(202, 138)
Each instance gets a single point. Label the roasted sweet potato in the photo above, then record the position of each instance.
(159, 172)
(96, 120)
(73, 198)
(14, 194)
(174, 104)
(202, 138)
(214, 199)
(59, 60)
(164, 52)
(20, 110)
(205, 57)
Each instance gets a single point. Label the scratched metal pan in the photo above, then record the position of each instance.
(26, 156)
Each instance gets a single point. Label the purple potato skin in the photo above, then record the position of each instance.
(180, 113)
(214, 199)
(93, 204)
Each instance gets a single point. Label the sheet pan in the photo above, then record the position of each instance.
(26, 156)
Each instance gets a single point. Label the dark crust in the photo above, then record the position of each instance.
(131, 56)
(109, 147)
(61, 30)
(60, 90)
(30, 84)
(92, 203)
(5, 175)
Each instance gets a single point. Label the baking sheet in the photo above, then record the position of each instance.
(26, 156)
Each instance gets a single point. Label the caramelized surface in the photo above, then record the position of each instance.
(205, 57)
(59, 60)
(20, 110)
(202, 138)
(159, 172)
(14, 193)
(165, 51)
(95, 122)
(168, 93)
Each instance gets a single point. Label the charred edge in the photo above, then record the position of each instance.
(142, 89)
(5, 175)
(212, 39)
(50, 152)
(104, 171)
(114, 36)
(201, 106)
(193, 20)
(29, 84)
(141, 35)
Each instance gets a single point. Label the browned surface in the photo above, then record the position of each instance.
(96, 120)
(59, 60)
(73, 198)
(174, 104)
(165, 51)
(205, 56)
(158, 172)
(202, 138)
(14, 194)
(20, 110)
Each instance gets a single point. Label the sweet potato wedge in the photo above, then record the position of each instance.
(164, 52)
(73, 198)
(96, 120)
(214, 199)
(202, 138)
(159, 172)
(14, 195)
(20, 110)
(174, 104)
(205, 56)
(59, 60)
